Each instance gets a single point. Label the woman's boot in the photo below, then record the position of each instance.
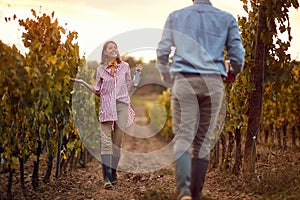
(114, 166)
(106, 171)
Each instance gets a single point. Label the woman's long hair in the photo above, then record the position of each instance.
(104, 57)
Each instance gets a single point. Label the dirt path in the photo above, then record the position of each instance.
(86, 183)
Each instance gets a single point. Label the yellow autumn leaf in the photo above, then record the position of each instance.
(63, 155)
(52, 60)
(27, 69)
(35, 158)
(296, 71)
(14, 162)
(61, 65)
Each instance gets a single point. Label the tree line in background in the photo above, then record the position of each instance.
(36, 95)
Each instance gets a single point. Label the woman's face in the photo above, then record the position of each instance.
(111, 51)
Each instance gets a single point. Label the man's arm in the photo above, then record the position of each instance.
(163, 51)
(234, 47)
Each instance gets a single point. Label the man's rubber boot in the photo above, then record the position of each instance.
(199, 168)
(183, 175)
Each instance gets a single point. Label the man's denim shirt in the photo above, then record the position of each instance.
(199, 34)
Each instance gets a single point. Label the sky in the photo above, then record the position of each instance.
(102, 20)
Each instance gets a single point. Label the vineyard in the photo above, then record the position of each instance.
(44, 122)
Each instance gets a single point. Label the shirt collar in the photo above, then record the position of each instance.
(202, 2)
(107, 66)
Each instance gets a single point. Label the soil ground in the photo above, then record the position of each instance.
(86, 183)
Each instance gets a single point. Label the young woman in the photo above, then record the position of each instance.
(113, 83)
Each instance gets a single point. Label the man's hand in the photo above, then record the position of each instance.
(230, 76)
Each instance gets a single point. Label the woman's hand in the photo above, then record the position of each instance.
(77, 80)
(97, 93)
(91, 88)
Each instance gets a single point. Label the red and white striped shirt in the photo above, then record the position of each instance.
(112, 89)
